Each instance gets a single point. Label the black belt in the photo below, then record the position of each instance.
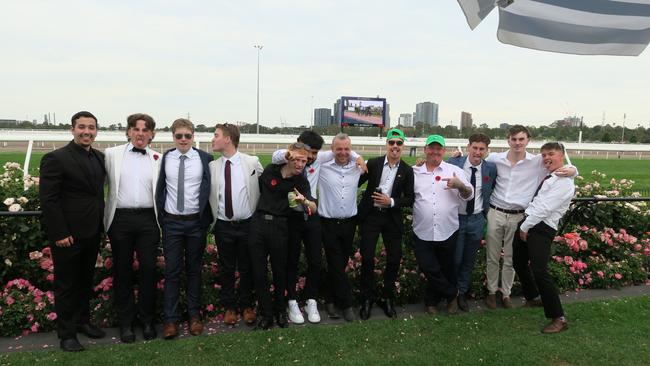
(134, 210)
(190, 217)
(269, 217)
(380, 209)
(507, 211)
(338, 221)
(234, 222)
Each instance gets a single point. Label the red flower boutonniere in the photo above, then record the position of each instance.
(438, 178)
(486, 179)
(311, 170)
(274, 182)
(156, 156)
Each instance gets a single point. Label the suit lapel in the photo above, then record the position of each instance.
(118, 167)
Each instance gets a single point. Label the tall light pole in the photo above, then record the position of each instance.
(312, 112)
(259, 49)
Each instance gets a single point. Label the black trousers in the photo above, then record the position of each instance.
(436, 261)
(379, 222)
(269, 242)
(338, 235)
(232, 239)
(530, 260)
(308, 233)
(134, 230)
(74, 271)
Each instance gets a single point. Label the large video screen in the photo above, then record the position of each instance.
(363, 112)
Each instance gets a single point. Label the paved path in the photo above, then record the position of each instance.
(46, 341)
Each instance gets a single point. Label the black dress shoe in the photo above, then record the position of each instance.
(348, 314)
(264, 324)
(332, 311)
(462, 303)
(388, 306)
(281, 319)
(127, 335)
(91, 331)
(365, 309)
(71, 345)
(149, 332)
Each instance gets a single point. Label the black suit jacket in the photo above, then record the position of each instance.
(402, 192)
(72, 203)
(204, 191)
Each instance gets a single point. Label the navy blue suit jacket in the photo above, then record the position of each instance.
(488, 178)
(204, 191)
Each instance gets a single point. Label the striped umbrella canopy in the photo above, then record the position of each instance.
(582, 27)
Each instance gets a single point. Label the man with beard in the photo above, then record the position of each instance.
(390, 188)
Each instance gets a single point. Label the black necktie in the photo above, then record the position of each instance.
(540, 186)
(141, 151)
(228, 191)
(470, 203)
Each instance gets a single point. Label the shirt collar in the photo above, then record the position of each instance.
(386, 162)
(233, 159)
(468, 164)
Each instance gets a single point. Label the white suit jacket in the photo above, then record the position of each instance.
(252, 169)
(113, 157)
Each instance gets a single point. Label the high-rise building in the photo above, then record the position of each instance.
(337, 112)
(387, 125)
(322, 117)
(405, 120)
(466, 121)
(426, 112)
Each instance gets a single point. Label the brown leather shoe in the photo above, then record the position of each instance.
(432, 310)
(452, 305)
(556, 326)
(250, 316)
(491, 301)
(507, 302)
(534, 303)
(230, 318)
(196, 326)
(170, 330)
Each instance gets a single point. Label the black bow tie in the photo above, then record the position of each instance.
(141, 151)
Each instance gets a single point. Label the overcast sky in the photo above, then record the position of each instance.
(169, 58)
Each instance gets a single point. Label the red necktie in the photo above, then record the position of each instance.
(228, 191)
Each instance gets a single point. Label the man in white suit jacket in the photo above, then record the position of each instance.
(234, 194)
(131, 225)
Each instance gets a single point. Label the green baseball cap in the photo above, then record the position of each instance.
(435, 138)
(395, 133)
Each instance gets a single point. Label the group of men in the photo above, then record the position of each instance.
(263, 217)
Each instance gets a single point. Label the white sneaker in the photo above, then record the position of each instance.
(294, 313)
(312, 311)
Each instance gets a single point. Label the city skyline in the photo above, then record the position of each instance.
(169, 60)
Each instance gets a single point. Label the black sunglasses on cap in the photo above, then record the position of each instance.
(393, 142)
(178, 136)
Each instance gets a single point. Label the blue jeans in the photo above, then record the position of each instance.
(470, 233)
(182, 240)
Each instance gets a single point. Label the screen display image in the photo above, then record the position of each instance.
(363, 112)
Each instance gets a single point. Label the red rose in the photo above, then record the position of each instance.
(486, 178)
(311, 170)
(438, 177)
(155, 157)
(274, 182)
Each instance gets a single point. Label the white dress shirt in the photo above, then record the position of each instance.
(551, 202)
(193, 177)
(136, 180)
(478, 194)
(388, 174)
(241, 208)
(435, 210)
(338, 189)
(515, 185)
(312, 171)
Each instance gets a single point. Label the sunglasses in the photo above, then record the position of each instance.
(393, 142)
(178, 136)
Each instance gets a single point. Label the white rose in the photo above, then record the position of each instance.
(23, 200)
(15, 208)
(8, 262)
(9, 201)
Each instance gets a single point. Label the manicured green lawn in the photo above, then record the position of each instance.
(637, 170)
(600, 333)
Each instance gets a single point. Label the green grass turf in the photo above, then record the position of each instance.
(600, 333)
(637, 170)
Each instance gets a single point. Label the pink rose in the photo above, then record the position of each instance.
(618, 276)
(108, 263)
(51, 316)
